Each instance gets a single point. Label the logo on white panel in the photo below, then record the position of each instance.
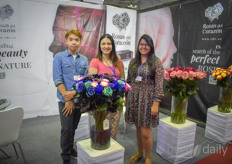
(213, 12)
(5, 12)
(121, 21)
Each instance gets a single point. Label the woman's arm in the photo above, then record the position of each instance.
(92, 70)
(93, 65)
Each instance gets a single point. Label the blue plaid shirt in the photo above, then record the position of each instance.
(65, 68)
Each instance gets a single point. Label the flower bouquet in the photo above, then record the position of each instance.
(99, 95)
(223, 77)
(181, 84)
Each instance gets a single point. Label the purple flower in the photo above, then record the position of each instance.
(121, 87)
(98, 89)
(80, 87)
(116, 85)
(113, 86)
(74, 86)
(91, 90)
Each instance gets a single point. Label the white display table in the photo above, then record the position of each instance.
(218, 125)
(82, 131)
(113, 155)
(175, 142)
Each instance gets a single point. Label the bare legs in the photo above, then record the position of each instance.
(144, 141)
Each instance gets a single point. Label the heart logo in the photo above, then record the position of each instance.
(5, 12)
(214, 11)
(121, 21)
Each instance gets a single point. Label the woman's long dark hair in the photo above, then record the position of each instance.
(113, 55)
(151, 56)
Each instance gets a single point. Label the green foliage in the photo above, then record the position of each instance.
(181, 88)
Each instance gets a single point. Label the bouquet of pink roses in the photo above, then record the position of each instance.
(182, 82)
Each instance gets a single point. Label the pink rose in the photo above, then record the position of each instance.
(104, 84)
(185, 75)
(200, 75)
(105, 80)
(192, 74)
(178, 68)
(189, 69)
(80, 78)
(179, 74)
(166, 75)
(173, 74)
(94, 84)
(127, 87)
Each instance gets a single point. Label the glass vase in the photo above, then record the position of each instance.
(100, 129)
(224, 101)
(178, 110)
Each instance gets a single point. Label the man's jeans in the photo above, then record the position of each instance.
(68, 127)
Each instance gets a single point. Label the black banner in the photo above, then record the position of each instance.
(203, 37)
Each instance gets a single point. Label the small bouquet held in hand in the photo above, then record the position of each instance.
(181, 84)
(223, 77)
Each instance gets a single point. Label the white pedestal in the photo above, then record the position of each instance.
(82, 131)
(218, 125)
(175, 142)
(113, 155)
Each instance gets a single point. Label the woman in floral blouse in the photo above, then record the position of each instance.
(145, 75)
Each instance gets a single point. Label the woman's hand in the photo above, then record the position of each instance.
(68, 108)
(155, 108)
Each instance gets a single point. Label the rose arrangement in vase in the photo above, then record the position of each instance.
(223, 77)
(181, 84)
(99, 95)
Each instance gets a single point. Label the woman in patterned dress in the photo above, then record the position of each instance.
(145, 75)
(107, 61)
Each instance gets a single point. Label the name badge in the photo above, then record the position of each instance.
(76, 77)
(138, 78)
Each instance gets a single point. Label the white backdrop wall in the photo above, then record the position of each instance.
(26, 35)
(25, 60)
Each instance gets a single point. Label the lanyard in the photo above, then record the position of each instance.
(141, 66)
(113, 69)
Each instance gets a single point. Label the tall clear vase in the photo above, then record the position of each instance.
(224, 101)
(100, 129)
(179, 110)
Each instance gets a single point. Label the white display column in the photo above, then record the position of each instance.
(82, 131)
(113, 155)
(218, 125)
(175, 142)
